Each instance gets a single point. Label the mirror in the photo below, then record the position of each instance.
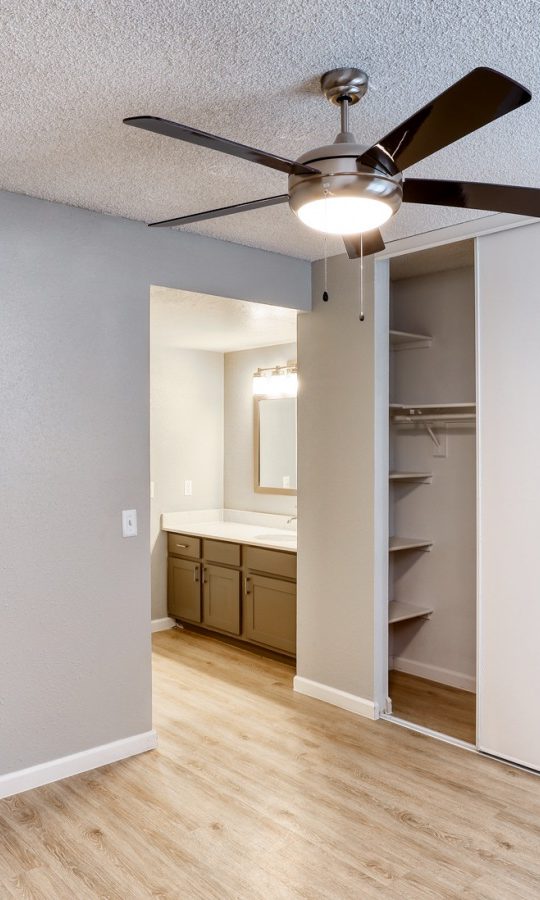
(275, 445)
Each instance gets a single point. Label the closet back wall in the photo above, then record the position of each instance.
(443, 648)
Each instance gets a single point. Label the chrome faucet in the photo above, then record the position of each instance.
(292, 519)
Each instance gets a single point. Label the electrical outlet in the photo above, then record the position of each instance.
(188, 488)
(129, 523)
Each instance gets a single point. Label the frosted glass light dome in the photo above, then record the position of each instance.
(344, 215)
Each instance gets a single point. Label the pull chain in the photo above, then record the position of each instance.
(325, 293)
(361, 316)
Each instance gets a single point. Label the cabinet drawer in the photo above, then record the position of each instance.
(274, 562)
(221, 552)
(184, 545)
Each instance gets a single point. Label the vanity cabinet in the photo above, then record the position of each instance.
(184, 589)
(240, 590)
(270, 612)
(221, 598)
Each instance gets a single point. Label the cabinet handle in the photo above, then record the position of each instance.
(183, 546)
(205, 579)
(195, 574)
(246, 585)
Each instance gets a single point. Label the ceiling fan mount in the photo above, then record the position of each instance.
(349, 189)
(338, 85)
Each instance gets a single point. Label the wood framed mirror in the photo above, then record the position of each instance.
(274, 441)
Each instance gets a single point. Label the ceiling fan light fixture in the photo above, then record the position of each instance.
(344, 215)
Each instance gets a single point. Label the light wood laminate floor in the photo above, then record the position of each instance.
(259, 793)
(437, 706)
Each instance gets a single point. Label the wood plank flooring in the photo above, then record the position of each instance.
(258, 793)
(437, 706)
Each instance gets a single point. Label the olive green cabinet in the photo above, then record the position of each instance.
(270, 612)
(184, 589)
(221, 598)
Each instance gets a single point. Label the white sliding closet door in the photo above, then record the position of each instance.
(508, 283)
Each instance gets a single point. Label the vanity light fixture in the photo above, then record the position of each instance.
(276, 381)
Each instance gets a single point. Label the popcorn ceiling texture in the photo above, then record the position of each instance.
(72, 69)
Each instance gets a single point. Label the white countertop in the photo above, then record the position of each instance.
(257, 535)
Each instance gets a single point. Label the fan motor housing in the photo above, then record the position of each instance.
(341, 174)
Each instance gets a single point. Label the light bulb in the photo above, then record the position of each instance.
(344, 215)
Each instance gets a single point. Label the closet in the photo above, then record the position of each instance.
(432, 490)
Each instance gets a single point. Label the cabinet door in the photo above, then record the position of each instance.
(184, 589)
(221, 599)
(270, 612)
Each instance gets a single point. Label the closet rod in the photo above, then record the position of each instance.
(449, 417)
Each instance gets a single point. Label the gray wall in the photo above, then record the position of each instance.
(336, 491)
(74, 432)
(186, 439)
(442, 648)
(239, 477)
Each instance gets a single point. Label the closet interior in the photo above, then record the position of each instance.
(432, 514)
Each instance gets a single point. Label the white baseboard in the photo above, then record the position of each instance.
(55, 769)
(434, 673)
(351, 702)
(162, 624)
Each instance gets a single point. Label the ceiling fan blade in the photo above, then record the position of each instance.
(477, 99)
(213, 142)
(524, 201)
(221, 211)
(372, 242)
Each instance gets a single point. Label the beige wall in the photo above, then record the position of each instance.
(239, 476)
(186, 438)
(337, 578)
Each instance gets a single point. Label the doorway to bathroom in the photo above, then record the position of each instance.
(223, 386)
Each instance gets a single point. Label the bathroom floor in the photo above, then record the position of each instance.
(446, 709)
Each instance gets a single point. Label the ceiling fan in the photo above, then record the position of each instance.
(348, 189)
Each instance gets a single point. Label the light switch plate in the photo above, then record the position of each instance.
(188, 488)
(129, 523)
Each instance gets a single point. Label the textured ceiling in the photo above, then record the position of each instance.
(72, 69)
(191, 321)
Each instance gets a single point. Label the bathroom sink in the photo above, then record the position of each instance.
(276, 538)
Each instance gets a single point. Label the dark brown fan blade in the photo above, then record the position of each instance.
(203, 139)
(524, 201)
(221, 211)
(477, 99)
(372, 242)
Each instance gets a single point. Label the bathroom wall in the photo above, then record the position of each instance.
(186, 438)
(239, 466)
(442, 648)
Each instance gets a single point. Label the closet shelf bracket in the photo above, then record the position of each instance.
(434, 437)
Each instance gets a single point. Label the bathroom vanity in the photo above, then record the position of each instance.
(235, 578)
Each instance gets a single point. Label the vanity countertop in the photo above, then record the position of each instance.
(237, 532)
